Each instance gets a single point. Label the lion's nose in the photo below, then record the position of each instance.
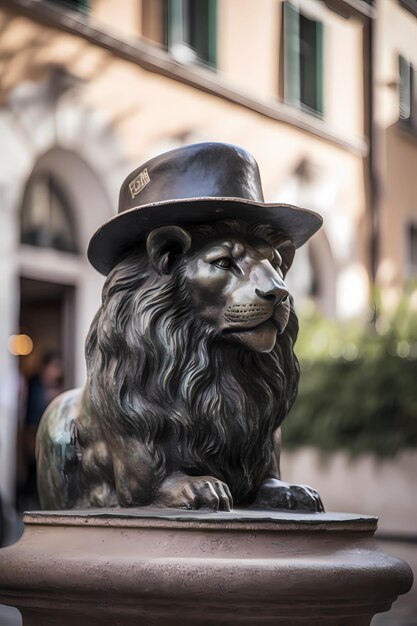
(276, 295)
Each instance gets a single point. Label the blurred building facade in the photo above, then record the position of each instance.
(321, 92)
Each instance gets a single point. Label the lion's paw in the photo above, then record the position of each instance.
(276, 494)
(195, 492)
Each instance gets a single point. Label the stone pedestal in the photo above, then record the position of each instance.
(151, 567)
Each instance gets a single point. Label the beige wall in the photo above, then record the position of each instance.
(123, 16)
(344, 74)
(365, 484)
(397, 148)
(248, 45)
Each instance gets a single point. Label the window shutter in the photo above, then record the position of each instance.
(175, 30)
(212, 33)
(291, 54)
(405, 89)
(319, 68)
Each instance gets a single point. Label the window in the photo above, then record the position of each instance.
(407, 92)
(303, 60)
(46, 220)
(187, 28)
(76, 5)
(190, 30)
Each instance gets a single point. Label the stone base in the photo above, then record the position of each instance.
(150, 566)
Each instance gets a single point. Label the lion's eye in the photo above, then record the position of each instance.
(224, 263)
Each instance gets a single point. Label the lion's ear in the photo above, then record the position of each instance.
(164, 244)
(287, 252)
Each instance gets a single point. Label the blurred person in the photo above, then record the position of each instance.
(42, 388)
(20, 433)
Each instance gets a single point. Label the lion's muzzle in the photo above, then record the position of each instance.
(247, 315)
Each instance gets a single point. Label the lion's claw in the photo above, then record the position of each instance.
(276, 494)
(195, 492)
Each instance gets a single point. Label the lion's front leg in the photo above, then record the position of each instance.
(135, 472)
(193, 492)
(276, 494)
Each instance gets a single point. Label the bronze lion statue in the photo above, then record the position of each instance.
(191, 372)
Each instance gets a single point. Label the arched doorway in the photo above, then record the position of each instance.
(47, 221)
(84, 155)
(63, 203)
(44, 344)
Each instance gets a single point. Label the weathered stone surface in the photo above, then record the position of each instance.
(152, 566)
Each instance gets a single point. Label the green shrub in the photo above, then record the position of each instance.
(358, 387)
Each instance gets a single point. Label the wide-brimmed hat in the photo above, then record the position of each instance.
(193, 184)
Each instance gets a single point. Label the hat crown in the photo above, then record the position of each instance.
(199, 183)
(203, 170)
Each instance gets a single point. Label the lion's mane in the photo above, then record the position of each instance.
(160, 375)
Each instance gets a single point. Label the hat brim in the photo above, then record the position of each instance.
(123, 231)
